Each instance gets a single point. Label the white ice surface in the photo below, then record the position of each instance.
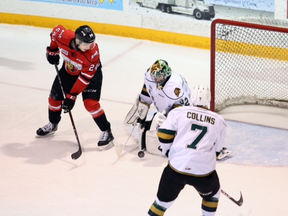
(39, 178)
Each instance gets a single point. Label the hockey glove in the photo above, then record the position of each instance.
(68, 103)
(52, 55)
(158, 120)
(167, 151)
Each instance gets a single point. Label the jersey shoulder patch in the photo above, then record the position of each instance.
(177, 91)
(92, 55)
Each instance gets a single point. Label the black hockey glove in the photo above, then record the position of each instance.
(52, 55)
(68, 103)
(167, 152)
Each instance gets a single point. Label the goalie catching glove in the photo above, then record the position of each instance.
(158, 120)
(138, 111)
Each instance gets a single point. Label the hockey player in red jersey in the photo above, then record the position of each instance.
(80, 73)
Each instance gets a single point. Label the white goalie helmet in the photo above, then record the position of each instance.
(201, 96)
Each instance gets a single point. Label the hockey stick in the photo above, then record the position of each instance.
(78, 153)
(118, 148)
(239, 202)
(141, 153)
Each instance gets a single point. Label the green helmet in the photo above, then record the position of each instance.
(160, 71)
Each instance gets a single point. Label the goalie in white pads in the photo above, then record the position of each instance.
(191, 136)
(166, 90)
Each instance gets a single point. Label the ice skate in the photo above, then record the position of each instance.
(47, 130)
(224, 153)
(105, 140)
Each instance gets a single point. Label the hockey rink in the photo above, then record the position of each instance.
(39, 178)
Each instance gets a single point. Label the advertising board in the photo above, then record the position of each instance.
(103, 4)
(261, 5)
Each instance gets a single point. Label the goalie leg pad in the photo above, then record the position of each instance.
(148, 137)
(152, 143)
(138, 110)
(132, 115)
(143, 110)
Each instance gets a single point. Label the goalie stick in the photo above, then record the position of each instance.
(119, 148)
(239, 202)
(78, 153)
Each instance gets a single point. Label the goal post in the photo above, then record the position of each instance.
(249, 63)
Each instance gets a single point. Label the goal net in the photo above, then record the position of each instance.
(249, 63)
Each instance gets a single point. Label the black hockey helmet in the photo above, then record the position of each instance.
(85, 34)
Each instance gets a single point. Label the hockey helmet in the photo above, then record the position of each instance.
(85, 38)
(160, 71)
(201, 96)
(85, 34)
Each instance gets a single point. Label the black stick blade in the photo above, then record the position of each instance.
(77, 154)
(240, 201)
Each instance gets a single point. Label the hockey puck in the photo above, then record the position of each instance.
(141, 154)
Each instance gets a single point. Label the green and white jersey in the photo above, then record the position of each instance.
(193, 135)
(175, 92)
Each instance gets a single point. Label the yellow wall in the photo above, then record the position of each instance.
(248, 49)
(109, 29)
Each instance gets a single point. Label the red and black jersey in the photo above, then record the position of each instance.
(77, 63)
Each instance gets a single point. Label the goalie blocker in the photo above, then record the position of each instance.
(148, 140)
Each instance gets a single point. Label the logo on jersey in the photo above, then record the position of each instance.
(177, 91)
(95, 54)
(64, 52)
(72, 65)
(69, 66)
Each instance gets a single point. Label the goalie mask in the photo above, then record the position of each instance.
(201, 96)
(85, 38)
(159, 72)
